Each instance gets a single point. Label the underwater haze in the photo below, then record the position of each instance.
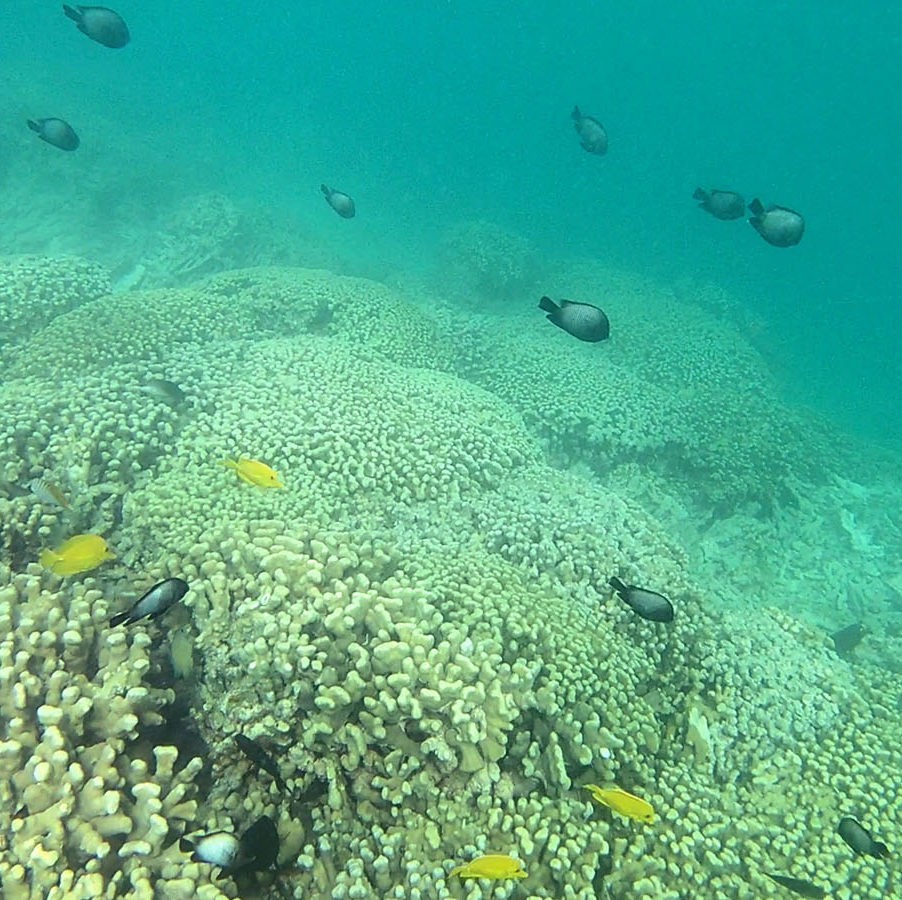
(450, 450)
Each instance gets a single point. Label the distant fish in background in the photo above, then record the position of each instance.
(100, 24)
(78, 554)
(153, 602)
(592, 136)
(847, 639)
(56, 132)
(48, 492)
(647, 604)
(799, 886)
(859, 838)
(342, 203)
(584, 321)
(778, 225)
(493, 866)
(263, 760)
(166, 391)
(721, 204)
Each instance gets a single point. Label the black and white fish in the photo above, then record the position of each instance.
(153, 602)
(341, 202)
(582, 320)
(257, 755)
(859, 838)
(721, 204)
(647, 604)
(100, 24)
(799, 886)
(778, 225)
(57, 132)
(161, 389)
(592, 136)
(219, 848)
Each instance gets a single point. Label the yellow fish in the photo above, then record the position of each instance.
(253, 472)
(623, 803)
(77, 554)
(493, 865)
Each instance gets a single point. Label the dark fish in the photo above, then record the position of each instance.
(259, 846)
(859, 838)
(257, 755)
(778, 225)
(798, 886)
(56, 132)
(219, 848)
(647, 604)
(153, 603)
(721, 204)
(339, 201)
(592, 136)
(100, 24)
(167, 391)
(582, 320)
(848, 638)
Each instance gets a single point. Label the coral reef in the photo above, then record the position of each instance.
(417, 624)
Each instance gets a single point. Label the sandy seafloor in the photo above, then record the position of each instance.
(418, 623)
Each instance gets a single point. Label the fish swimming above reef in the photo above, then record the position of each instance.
(859, 838)
(77, 554)
(253, 472)
(256, 849)
(623, 803)
(492, 865)
(48, 492)
(153, 602)
(799, 886)
(584, 321)
(592, 136)
(647, 604)
(721, 204)
(100, 24)
(263, 760)
(778, 225)
(166, 391)
(341, 202)
(847, 639)
(54, 131)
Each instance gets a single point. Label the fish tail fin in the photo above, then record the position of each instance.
(185, 845)
(49, 559)
(73, 14)
(756, 207)
(548, 305)
(119, 619)
(456, 871)
(700, 194)
(576, 115)
(326, 190)
(34, 126)
(229, 464)
(618, 585)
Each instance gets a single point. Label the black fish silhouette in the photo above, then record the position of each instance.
(100, 24)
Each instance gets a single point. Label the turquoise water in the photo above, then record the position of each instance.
(416, 624)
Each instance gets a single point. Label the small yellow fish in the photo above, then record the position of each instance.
(623, 803)
(253, 472)
(493, 865)
(47, 492)
(77, 554)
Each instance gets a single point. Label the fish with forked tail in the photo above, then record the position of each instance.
(56, 132)
(257, 755)
(721, 204)
(584, 321)
(152, 603)
(645, 603)
(341, 202)
(592, 136)
(100, 24)
(778, 225)
(859, 838)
